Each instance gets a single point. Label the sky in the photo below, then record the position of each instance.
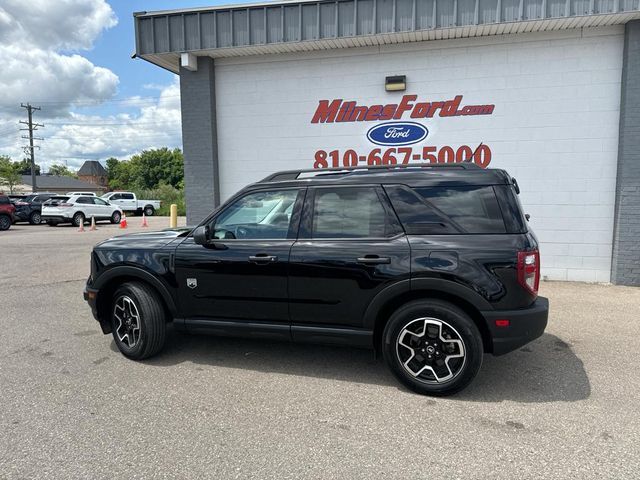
(72, 58)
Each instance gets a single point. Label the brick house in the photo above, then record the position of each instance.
(92, 171)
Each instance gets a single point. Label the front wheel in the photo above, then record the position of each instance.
(432, 347)
(138, 321)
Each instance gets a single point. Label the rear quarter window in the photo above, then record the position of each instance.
(447, 210)
(474, 209)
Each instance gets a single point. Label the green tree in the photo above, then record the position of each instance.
(9, 175)
(151, 167)
(147, 170)
(119, 174)
(24, 167)
(61, 170)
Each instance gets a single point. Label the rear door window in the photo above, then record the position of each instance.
(350, 212)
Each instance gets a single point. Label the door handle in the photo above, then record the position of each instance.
(263, 258)
(373, 260)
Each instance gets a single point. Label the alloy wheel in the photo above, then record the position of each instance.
(128, 321)
(431, 350)
(5, 223)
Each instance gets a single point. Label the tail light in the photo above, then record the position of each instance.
(529, 270)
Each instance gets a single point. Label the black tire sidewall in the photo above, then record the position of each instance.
(149, 211)
(113, 217)
(32, 218)
(78, 215)
(151, 317)
(5, 222)
(452, 315)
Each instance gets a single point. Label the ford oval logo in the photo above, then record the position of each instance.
(397, 133)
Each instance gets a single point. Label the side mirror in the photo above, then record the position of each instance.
(201, 235)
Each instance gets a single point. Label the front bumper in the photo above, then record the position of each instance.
(525, 325)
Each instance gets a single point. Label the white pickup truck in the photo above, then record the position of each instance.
(128, 202)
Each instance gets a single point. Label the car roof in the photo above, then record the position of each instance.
(457, 174)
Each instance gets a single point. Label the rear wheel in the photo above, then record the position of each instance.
(5, 222)
(149, 211)
(35, 218)
(138, 321)
(78, 219)
(432, 347)
(116, 217)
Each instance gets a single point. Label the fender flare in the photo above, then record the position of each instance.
(142, 274)
(440, 285)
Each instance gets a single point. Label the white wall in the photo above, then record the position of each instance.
(555, 124)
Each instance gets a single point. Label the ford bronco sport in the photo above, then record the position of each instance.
(432, 266)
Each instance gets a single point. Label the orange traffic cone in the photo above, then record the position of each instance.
(123, 221)
(144, 221)
(81, 229)
(93, 224)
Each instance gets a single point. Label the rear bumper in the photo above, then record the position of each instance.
(525, 325)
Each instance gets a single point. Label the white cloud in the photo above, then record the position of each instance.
(40, 54)
(35, 37)
(53, 25)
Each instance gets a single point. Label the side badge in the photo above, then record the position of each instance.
(192, 282)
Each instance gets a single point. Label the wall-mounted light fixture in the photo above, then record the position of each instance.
(396, 83)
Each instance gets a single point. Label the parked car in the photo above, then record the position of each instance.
(78, 209)
(90, 194)
(15, 197)
(432, 266)
(29, 209)
(7, 210)
(128, 202)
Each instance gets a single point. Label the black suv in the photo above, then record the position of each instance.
(29, 209)
(432, 266)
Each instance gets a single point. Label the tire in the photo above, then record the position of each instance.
(149, 211)
(35, 218)
(445, 372)
(78, 219)
(145, 310)
(116, 217)
(5, 222)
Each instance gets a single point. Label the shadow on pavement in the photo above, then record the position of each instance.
(546, 370)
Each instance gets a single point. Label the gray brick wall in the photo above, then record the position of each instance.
(625, 267)
(200, 140)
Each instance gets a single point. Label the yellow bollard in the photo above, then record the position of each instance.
(173, 219)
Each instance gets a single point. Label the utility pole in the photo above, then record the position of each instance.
(31, 127)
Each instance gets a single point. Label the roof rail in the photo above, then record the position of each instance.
(295, 174)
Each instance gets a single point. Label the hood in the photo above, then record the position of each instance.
(144, 239)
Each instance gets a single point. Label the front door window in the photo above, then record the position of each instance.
(259, 215)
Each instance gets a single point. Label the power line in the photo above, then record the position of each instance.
(31, 127)
(113, 100)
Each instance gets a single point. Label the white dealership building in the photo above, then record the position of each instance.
(546, 89)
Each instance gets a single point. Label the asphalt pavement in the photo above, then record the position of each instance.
(564, 406)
